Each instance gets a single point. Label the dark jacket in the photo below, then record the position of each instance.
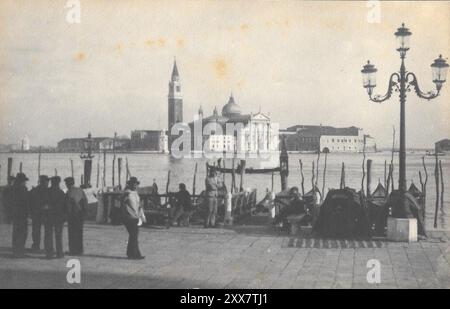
(184, 200)
(20, 202)
(57, 210)
(39, 200)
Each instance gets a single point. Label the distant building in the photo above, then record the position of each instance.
(25, 143)
(98, 143)
(257, 134)
(149, 140)
(307, 138)
(442, 145)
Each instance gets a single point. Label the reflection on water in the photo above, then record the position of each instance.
(149, 166)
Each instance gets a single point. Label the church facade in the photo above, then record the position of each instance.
(230, 131)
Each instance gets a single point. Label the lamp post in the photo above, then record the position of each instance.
(402, 82)
(87, 146)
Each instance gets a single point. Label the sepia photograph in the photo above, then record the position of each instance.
(224, 150)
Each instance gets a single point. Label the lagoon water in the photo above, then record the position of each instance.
(156, 166)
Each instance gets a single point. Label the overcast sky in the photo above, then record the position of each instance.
(298, 61)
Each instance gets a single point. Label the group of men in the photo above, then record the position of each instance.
(49, 207)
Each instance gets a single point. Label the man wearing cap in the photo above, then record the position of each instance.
(20, 206)
(55, 217)
(132, 212)
(39, 204)
(76, 205)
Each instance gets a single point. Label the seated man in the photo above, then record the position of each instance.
(183, 206)
(295, 206)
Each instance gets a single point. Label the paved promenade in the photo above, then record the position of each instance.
(243, 257)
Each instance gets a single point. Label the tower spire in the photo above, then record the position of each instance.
(175, 74)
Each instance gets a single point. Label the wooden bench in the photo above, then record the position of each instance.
(294, 221)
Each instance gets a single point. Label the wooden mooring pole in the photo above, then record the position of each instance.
(9, 171)
(302, 177)
(241, 185)
(39, 162)
(369, 178)
(195, 179)
(119, 172)
(436, 177)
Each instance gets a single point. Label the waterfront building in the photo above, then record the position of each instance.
(25, 143)
(312, 138)
(252, 133)
(98, 144)
(149, 140)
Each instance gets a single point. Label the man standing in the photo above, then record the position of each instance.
(39, 203)
(54, 219)
(211, 198)
(184, 205)
(76, 205)
(131, 213)
(20, 204)
(8, 199)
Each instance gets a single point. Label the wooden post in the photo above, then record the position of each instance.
(436, 177)
(284, 165)
(273, 180)
(56, 172)
(98, 171)
(241, 186)
(39, 161)
(224, 174)
(389, 179)
(313, 171)
(369, 178)
(114, 160)
(317, 169)
(167, 186)
(119, 171)
(71, 168)
(195, 179)
(20, 167)
(302, 177)
(442, 186)
(385, 173)
(423, 184)
(233, 176)
(82, 180)
(128, 174)
(324, 176)
(104, 168)
(342, 185)
(363, 165)
(9, 172)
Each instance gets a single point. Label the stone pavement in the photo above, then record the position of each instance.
(241, 257)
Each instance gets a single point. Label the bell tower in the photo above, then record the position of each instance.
(175, 104)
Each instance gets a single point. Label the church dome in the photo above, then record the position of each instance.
(231, 108)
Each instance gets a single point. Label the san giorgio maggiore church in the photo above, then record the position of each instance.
(257, 134)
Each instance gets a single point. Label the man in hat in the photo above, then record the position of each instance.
(211, 198)
(20, 205)
(132, 212)
(39, 204)
(55, 217)
(76, 205)
(8, 198)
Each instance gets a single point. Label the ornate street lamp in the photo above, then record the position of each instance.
(401, 82)
(87, 147)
